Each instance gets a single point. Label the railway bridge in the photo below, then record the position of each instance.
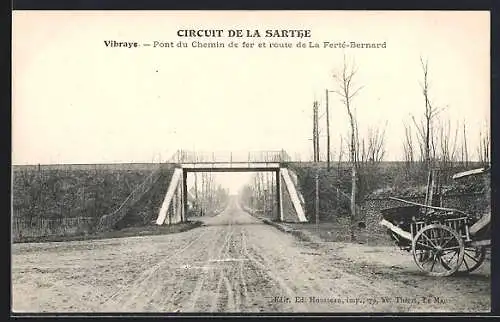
(288, 197)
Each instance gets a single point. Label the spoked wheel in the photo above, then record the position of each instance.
(473, 258)
(438, 250)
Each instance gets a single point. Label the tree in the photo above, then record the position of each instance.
(374, 149)
(246, 196)
(347, 91)
(483, 149)
(425, 131)
(341, 154)
(371, 152)
(447, 144)
(465, 152)
(409, 154)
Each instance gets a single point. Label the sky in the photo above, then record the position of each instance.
(232, 181)
(77, 101)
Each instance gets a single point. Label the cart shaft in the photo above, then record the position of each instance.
(396, 229)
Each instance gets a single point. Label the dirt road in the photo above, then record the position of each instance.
(234, 263)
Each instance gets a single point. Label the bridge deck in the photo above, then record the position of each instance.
(231, 166)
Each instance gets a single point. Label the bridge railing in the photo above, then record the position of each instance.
(186, 156)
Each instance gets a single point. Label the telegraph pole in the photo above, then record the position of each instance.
(316, 203)
(315, 132)
(316, 160)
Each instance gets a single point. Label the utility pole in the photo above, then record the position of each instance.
(315, 132)
(317, 163)
(327, 134)
(316, 203)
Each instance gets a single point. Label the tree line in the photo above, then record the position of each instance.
(208, 196)
(430, 139)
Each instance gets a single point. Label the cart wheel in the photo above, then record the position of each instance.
(438, 250)
(473, 258)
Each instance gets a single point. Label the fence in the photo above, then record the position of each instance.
(109, 220)
(23, 229)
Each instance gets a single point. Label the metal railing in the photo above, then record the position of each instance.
(186, 156)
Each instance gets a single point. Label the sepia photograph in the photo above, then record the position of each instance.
(250, 162)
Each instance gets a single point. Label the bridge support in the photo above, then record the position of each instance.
(291, 195)
(279, 193)
(175, 205)
(172, 210)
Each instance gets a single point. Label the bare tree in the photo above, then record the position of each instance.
(362, 151)
(483, 149)
(448, 144)
(376, 144)
(347, 91)
(357, 144)
(424, 128)
(258, 183)
(408, 149)
(465, 152)
(341, 154)
(371, 151)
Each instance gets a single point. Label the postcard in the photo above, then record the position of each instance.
(251, 162)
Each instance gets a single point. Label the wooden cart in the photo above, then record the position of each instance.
(443, 241)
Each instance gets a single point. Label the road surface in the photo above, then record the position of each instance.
(233, 263)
